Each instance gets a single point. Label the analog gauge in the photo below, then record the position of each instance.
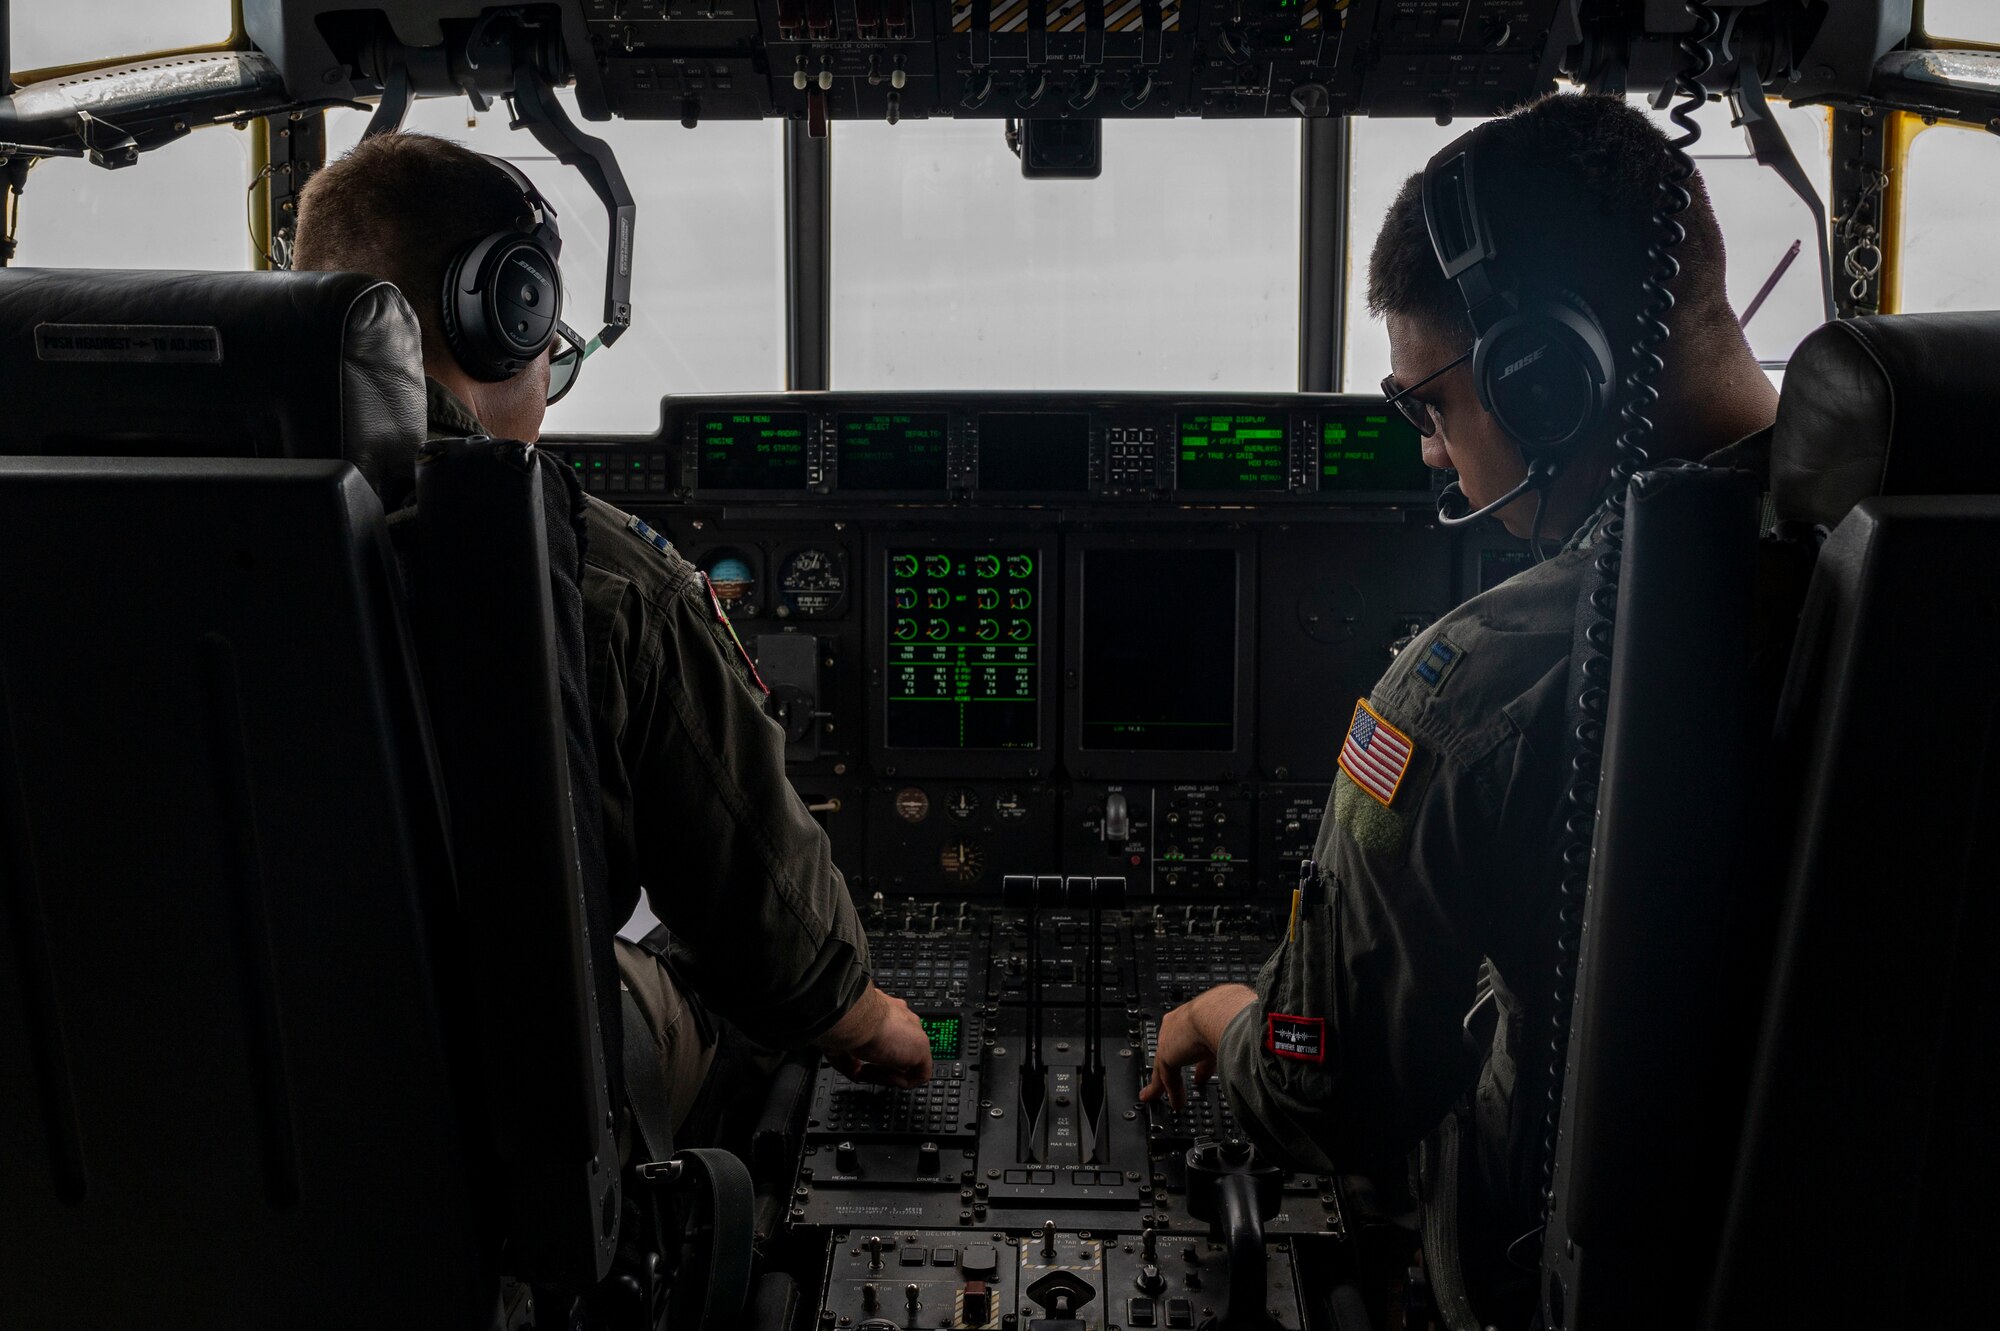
(938, 630)
(1020, 566)
(1019, 598)
(1021, 630)
(961, 860)
(937, 566)
(989, 598)
(735, 582)
(812, 583)
(937, 598)
(989, 630)
(987, 566)
(913, 805)
(906, 566)
(906, 598)
(961, 804)
(906, 630)
(1009, 805)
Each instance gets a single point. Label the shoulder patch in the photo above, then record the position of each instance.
(1303, 1038)
(653, 538)
(1438, 661)
(722, 618)
(1376, 754)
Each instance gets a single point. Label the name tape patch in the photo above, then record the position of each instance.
(139, 344)
(1302, 1038)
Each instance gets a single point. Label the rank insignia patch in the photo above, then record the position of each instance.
(1437, 662)
(1303, 1038)
(645, 533)
(1376, 755)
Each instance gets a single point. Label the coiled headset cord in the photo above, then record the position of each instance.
(1580, 822)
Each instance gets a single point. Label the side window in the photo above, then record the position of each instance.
(1950, 256)
(48, 35)
(707, 268)
(1760, 218)
(185, 205)
(1961, 20)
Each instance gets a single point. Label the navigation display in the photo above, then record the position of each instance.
(1240, 451)
(1370, 449)
(963, 650)
(892, 451)
(1159, 649)
(1026, 452)
(751, 450)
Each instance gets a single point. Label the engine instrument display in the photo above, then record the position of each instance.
(1236, 452)
(888, 452)
(811, 583)
(963, 655)
(1145, 692)
(751, 450)
(1034, 452)
(1370, 450)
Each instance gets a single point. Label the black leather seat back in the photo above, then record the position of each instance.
(497, 620)
(1887, 405)
(166, 364)
(1864, 1189)
(232, 1095)
(1656, 1040)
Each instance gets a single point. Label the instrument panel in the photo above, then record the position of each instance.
(1007, 632)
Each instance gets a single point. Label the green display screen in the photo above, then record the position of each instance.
(744, 450)
(1232, 451)
(946, 1035)
(964, 630)
(889, 450)
(1369, 449)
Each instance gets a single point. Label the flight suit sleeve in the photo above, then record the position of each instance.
(732, 862)
(1355, 1048)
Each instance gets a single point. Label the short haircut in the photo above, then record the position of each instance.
(399, 207)
(1572, 186)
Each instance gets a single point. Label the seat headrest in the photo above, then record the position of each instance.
(286, 365)
(1876, 406)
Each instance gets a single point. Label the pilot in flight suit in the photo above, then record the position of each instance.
(1435, 867)
(697, 811)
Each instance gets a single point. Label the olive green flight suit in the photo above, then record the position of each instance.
(697, 809)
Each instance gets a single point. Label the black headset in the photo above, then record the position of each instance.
(1541, 363)
(503, 293)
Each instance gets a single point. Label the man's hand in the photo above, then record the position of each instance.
(879, 1040)
(1189, 1037)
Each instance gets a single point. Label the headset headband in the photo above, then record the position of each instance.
(1458, 228)
(545, 233)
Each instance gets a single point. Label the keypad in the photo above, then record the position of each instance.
(922, 969)
(1133, 458)
(938, 1109)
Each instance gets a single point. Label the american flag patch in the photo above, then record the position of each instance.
(1376, 754)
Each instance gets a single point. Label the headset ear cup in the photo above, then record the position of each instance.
(502, 297)
(1544, 373)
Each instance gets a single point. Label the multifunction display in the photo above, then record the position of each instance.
(1159, 649)
(1034, 452)
(890, 451)
(750, 450)
(963, 656)
(1369, 450)
(1234, 451)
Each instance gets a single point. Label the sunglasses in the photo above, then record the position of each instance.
(566, 356)
(1415, 411)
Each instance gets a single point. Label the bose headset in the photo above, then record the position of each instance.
(1540, 363)
(503, 293)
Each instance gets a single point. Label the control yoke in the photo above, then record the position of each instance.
(1235, 1193)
